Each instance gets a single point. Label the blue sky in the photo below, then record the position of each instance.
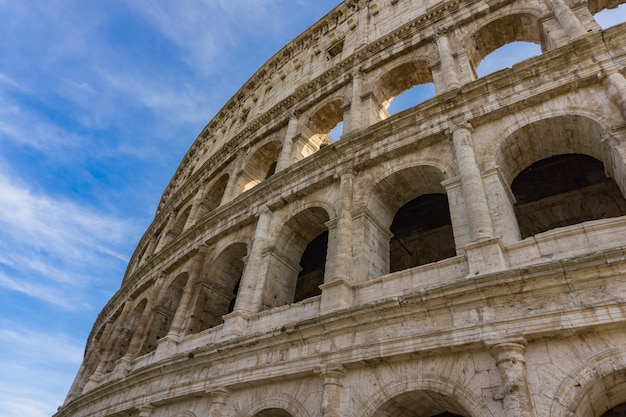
(99, 101)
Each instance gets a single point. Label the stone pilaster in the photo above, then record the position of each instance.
(285, 159)
(218, 402)
(146, 410)
(567, 18)
(511, 363)
(249, 298)
(166, 236)
(448, 66)
(332, 387)
(232, 190)
(615, 83)
(471, 184)
(167, 343)
(195, 207)
(353, 112)
(337, 289)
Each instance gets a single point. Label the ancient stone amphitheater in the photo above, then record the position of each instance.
(463, 257)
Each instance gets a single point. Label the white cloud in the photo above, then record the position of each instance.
(65, 243)
(35, 370)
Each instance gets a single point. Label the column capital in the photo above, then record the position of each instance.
(455, 126)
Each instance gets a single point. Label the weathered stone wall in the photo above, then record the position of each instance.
(205, 323)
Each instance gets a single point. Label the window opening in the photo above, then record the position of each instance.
(422, 233)
(313, 264)
(336, 132)
(506, 56)
(611, 17)
(411, 98)
(564, 190)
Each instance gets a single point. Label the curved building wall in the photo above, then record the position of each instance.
(464, 257)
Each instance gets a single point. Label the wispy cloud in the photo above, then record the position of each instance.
(59, 236)
(34, 369)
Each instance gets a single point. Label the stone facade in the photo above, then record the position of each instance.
(465, 257)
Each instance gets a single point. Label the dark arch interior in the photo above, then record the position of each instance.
(163, 314)
(617, 411)
(422, 233)
(313, 264)
(563, 190)
(421, 404)
(273, 412)
(217, 291)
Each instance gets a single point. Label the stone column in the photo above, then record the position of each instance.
(285, 159)
(337, 288)
(146, 410)
(485, 252)
(111, 343)
(165, 236)
(471, 184)
(567, 18)
(231, 190)
(218, 402)
(332, 388)
(166, 344)
(249, 298)
(176, 329)
(448, 66)
(512, 366)
(195, 207)
(352, 112)
(616, 85)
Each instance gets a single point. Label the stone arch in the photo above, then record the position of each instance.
(163, 313)
(559, 178)
(279, 405)
(315, 128)
(287, 277)
(216, 291)
(594, 388)
(260, 165)
(212, 198)
(524, 26)
(411, 205)
(449, 396)
(181, 220)
(596, 6)
(127, 332)
(401, 78)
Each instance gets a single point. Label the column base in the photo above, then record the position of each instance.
(336, 295)
(235, 324)
(486, 256)
(166, 347)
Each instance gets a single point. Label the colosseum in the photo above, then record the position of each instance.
(463, 257)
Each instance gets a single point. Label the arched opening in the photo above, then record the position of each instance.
(406, 86)
(563, 190)
(213, 197)
(617, 411)
(608, 13)
(273, 412)
(422, 233)
(503, 31)
(313, 264)
(126, 334)
(181, 220)
(261, 165)
(422, 404)
(413, 206)
(316, 132)
(506, 56)
(163, 314)
(216, 292)
(297, 263)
